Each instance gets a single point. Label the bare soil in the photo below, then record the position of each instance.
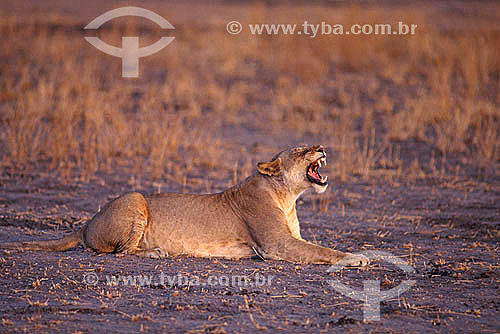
(447, 230)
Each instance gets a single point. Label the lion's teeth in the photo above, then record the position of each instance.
(319, 163)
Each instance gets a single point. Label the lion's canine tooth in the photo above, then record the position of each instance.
(319, 162)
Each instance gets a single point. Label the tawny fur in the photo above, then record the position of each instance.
(256, 216)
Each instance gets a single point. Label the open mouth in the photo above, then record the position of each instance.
(313, 172)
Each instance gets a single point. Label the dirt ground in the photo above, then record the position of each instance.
(448, 231)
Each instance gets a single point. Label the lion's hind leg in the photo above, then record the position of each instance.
(119, 227)
(155, 253)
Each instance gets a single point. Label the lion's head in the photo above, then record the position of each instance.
(298, 168)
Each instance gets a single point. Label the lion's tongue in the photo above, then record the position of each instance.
(313, 172)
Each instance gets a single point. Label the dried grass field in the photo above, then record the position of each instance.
(411, 124)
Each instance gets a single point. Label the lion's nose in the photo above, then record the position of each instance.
(321, 149)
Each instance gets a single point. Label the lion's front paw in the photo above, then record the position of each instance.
(355, 260)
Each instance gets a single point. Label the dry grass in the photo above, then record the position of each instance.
(64, 102)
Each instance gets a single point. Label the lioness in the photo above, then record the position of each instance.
(254, 217)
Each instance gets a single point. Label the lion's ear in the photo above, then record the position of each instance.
(270, 168)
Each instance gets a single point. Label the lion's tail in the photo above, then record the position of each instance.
(56, 245)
